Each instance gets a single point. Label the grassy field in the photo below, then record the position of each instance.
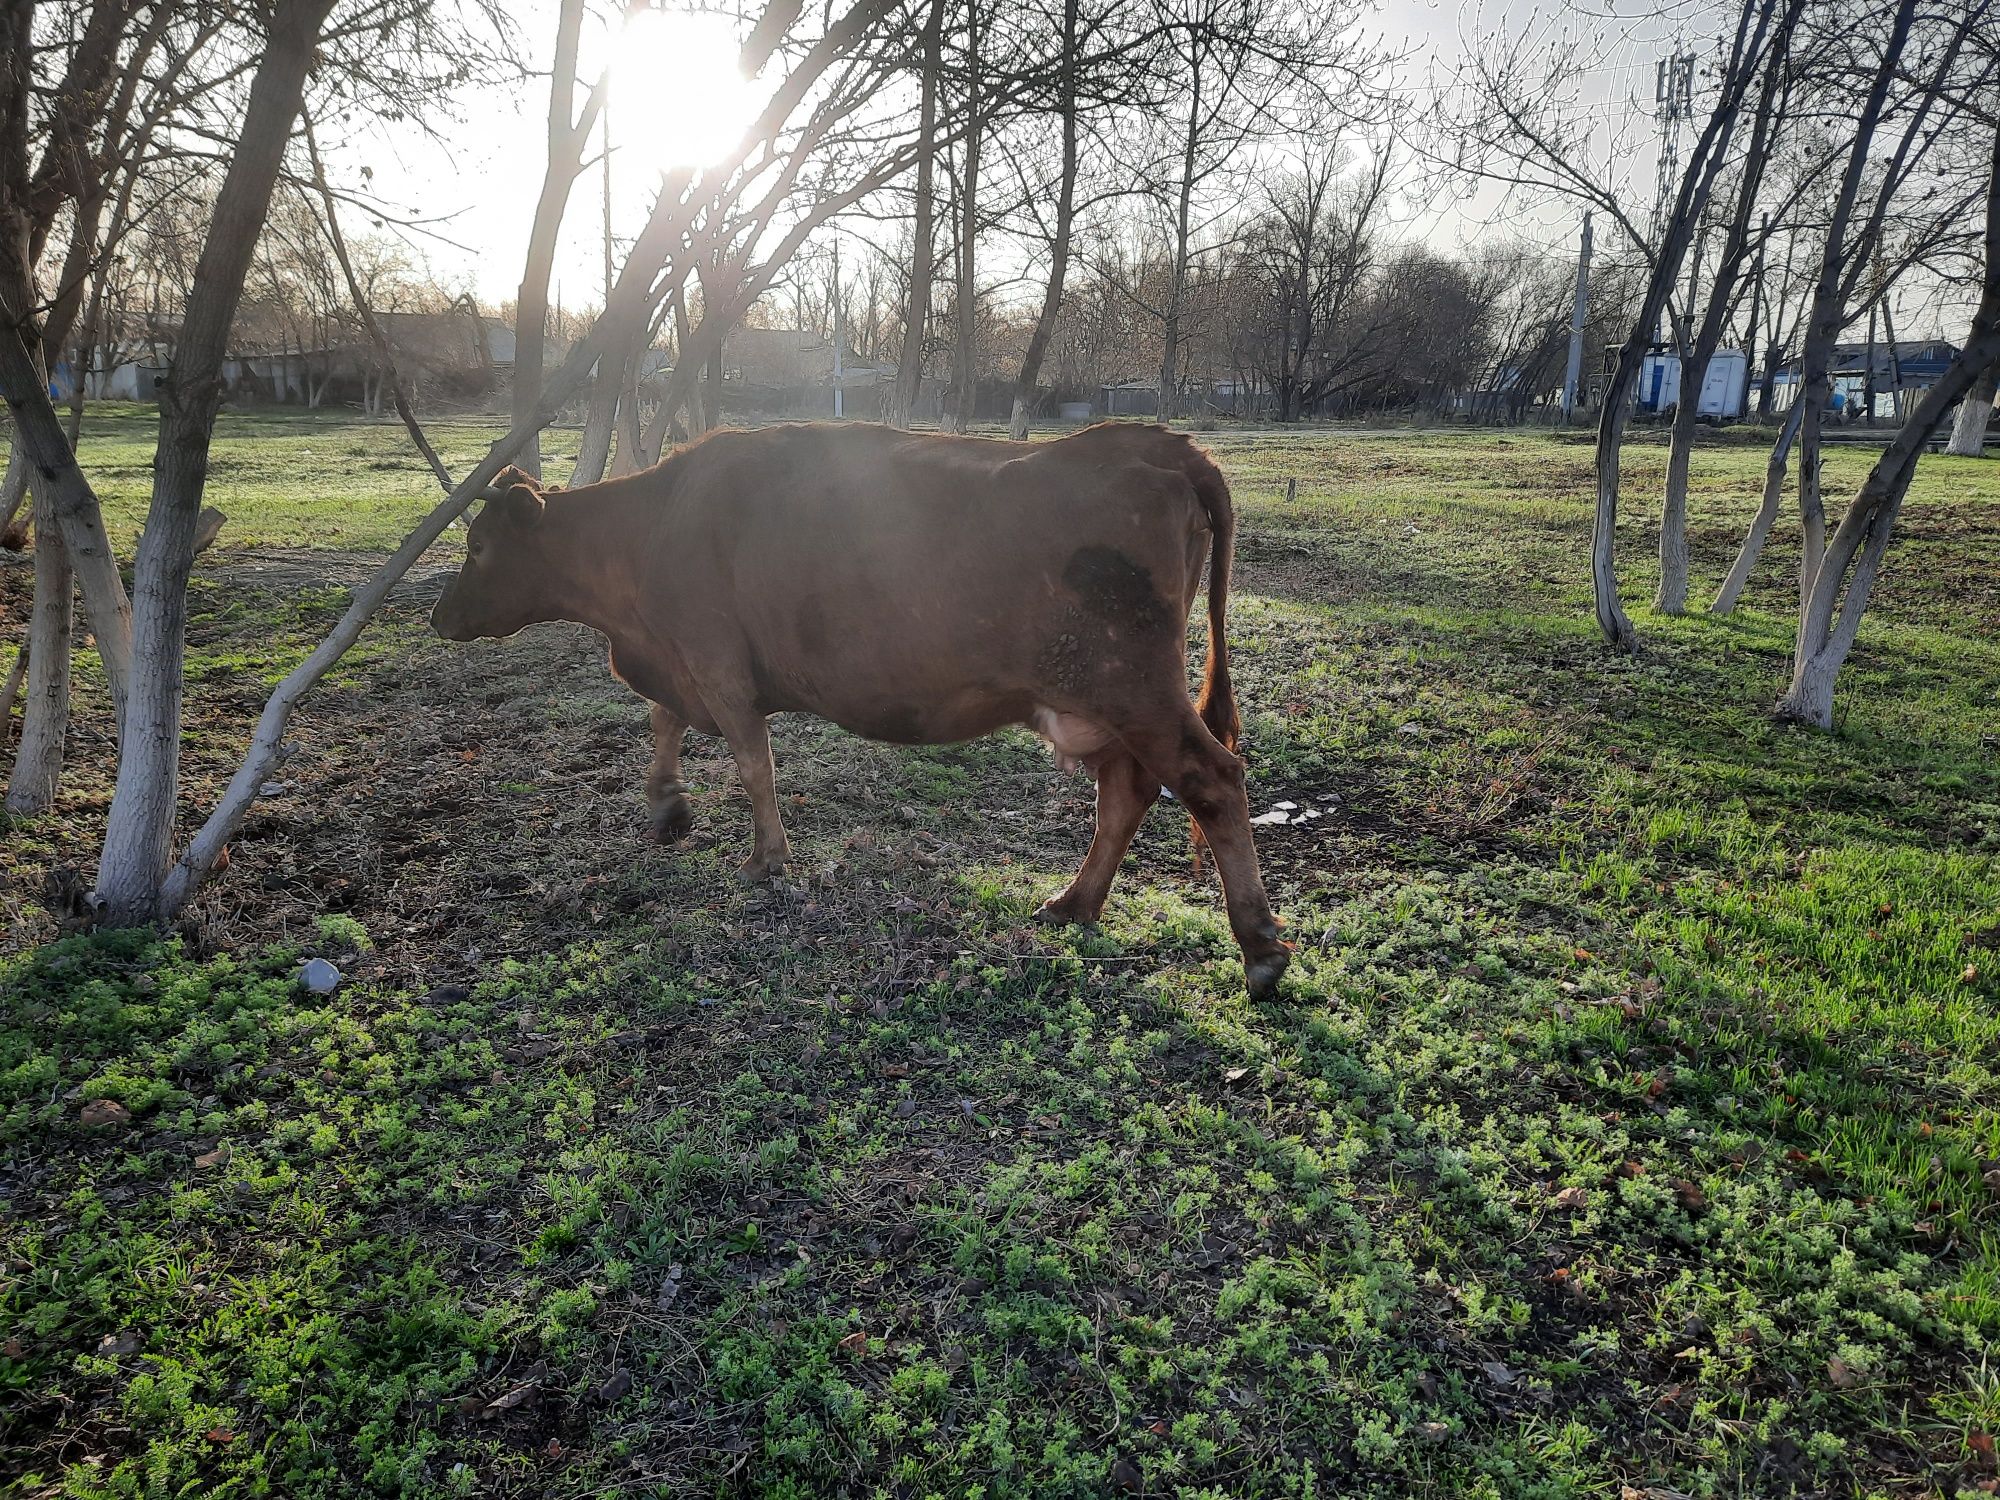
(1629, 1124)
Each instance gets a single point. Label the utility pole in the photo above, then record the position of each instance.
(839, 339)
(1574, 369)
(604, 117)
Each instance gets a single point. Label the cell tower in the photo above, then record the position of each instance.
(1673, 101)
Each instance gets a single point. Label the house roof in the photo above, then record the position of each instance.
(1920, 360)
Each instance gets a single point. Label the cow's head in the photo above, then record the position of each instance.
(505, 582)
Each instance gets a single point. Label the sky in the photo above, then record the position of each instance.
(474, 183)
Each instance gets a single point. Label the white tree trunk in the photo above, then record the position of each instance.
(594, 447)
(1670, 598)
(38, 762)
(13, 494)
(1812, 504)
(1767, 514)
(138, 836)
(38, 431)
(1968, 432)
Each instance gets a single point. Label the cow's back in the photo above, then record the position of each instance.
(919, 587)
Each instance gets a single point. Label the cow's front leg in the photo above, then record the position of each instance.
(749, 739)
(666, 793)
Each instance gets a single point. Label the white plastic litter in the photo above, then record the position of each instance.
(319, 976)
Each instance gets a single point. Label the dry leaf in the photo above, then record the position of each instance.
(103, 1112)
(1842, 1374)
(1572, 1197)
(856, 1343)
(512, 1399)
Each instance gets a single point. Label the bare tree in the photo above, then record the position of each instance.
(1830, 614)
(1060, 231)
(1845, 262)
(1705, 161)
(910, 368)
(1768, 112)
(568, 134)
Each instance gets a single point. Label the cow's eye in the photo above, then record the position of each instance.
(473, 549)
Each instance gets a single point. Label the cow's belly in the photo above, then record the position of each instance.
(1075, 739)
(915, 719)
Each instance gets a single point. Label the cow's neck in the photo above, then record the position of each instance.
(590, 556)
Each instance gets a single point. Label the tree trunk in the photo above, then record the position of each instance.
(13, 493)
(965, 358)
(138, 838)
(594, 448)
(566, 138)
(1045, 323)
(1968, 431)
(1671, 596)
(38, 431)
(1611, 617)
(1170, 322)
(1767, 514)
(910, 371)
(625, 454)
(38, 762)
(1812, 505)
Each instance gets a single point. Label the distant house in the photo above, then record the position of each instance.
(1131, 398)
(458, 340)
(1903, 369)
(791, 371)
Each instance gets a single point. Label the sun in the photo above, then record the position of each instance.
(678, 98)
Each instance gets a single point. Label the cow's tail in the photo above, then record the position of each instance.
(1217, 701)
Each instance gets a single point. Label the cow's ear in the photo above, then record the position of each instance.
(515, 495)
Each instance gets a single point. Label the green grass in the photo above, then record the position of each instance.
(1629, 1118)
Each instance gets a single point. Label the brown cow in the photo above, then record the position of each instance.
(916, 589)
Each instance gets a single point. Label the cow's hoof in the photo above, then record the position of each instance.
(1060, 911)
(758, 869)
(673, 821)
(1261, 975)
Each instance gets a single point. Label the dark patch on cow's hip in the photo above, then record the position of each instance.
(1116, 589)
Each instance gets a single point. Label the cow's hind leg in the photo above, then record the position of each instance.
(749, 737)
(1124, 792)
(666, 793)
(1179, 750)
